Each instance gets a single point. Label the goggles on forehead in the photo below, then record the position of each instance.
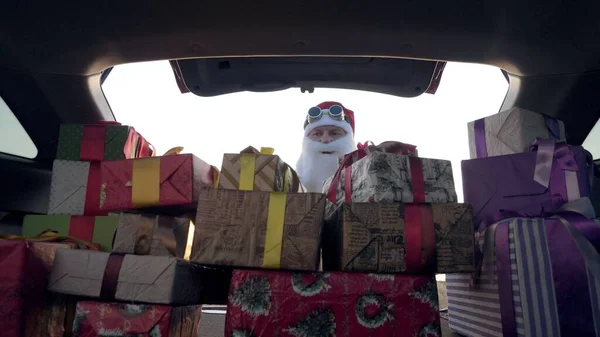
(335, 112)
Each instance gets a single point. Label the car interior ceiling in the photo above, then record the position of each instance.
(52, 57)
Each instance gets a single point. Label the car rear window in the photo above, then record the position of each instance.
(592, 141)
(14, 140)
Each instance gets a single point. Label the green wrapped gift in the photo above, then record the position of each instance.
(95, 229)
(103, 141)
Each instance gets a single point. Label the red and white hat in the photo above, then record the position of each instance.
(345, 121)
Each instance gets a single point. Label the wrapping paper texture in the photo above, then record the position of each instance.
(266, 303)
(68, 187)
(512, 131)
(231, 229)
(185, 321)
(99, 230)
(148, 234)
(371, 237)
(540, 306)
(386, 177)
(21, 285)
(46, 317)
(96, 319)
(507, 183)
(147, 279)
(269, 172)
(173, 180)
(114, 145)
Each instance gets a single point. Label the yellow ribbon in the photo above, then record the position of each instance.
(274, 234)
(145, 182)
(49, 236)
(175, 150)
(248, 168)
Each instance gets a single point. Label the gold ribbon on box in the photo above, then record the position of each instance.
(274, 233)
(248, 166)
(49, 236)
(145, 189)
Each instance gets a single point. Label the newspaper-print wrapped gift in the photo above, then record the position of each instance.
(140, 278)
(400, 238)
(388, 177)
(149, 234)
(511, 131)
(538, 277)
(253, 170)
(258, 229)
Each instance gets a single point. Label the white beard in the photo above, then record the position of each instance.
(314, 167)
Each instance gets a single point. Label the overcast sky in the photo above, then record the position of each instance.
(146, 96)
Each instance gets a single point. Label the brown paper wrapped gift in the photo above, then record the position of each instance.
(47, 317)
(258, 229)
(149, 234)
(149, 279)
(185, 321)
(253, 170)
(399, 237)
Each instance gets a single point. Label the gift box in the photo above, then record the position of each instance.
(531, 182)
(172, 180)
(258, 229)
(75, 188)
(400, 238)
(148, 234)
(99, 230)
(253, 170)
(538, 277)
(511, 131)
(268, 303)
(95, 319)
(185, 321)
(149, 279)
(388, 177)
(21, 285)
(105, 141)
(46, 317)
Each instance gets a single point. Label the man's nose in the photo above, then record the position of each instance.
(326, 139)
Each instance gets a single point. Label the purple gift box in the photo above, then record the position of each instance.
(538, 277)
(531, 182)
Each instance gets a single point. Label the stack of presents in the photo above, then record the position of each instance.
(134, 244)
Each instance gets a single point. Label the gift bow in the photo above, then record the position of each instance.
(50, 236)
(548, 152)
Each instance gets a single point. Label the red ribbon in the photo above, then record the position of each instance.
(92, 143)
(417, 179)
(82, 227)
(420, 238)
(92, 193)
(110, 280)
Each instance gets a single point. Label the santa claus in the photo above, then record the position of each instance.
(328, 136)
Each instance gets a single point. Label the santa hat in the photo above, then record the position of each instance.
(347, 124)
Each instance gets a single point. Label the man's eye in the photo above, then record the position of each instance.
(317, 134)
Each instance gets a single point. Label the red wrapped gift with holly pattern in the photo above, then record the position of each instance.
(95, 319)
(270, 303)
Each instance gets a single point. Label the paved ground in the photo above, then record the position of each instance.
(211, 324)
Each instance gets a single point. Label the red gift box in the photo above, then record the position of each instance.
(172, 180)
(121, 320)
(22, 283)
(269, 303)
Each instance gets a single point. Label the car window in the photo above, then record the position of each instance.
(145, 95)
(14, 139)
(592, 141)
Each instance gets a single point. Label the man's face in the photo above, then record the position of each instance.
(326, 134)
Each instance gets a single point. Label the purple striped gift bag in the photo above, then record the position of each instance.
(538, 277)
